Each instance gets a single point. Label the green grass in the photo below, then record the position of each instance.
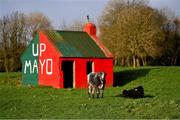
(162, 97)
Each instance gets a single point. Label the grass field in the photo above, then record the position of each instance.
(162, 97)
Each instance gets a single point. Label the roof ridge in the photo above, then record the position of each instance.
(68, 31)
(101, 45)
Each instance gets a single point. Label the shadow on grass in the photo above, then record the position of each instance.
(145, 96)
(124, 77)
(148, 96)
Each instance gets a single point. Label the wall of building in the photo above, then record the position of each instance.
(29, 64)
(105, 65)
(80, 72)
(49, 73)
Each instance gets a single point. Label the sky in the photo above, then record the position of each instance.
(70, 10)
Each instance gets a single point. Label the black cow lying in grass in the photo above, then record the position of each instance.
(137, 92)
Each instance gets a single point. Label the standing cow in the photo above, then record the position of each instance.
(96, 83)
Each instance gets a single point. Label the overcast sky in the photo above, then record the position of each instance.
(70, 10)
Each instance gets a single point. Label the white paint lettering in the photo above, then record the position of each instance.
(33, 50)
(46, 65)
(49, 64)
(27, 64)
(35, 66)
(42, 48)
(42, 65)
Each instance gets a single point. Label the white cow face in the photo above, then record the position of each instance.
(102, 77)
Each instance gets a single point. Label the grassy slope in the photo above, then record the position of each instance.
(162, 97)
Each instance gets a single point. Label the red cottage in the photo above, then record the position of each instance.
(63, 59)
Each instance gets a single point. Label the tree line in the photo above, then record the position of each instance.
(139, 35)
(136, 34)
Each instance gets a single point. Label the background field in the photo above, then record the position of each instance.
(162, 97)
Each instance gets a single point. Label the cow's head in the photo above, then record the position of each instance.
(102, 76)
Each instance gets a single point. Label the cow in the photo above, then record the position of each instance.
(137, 92)
(96, 83)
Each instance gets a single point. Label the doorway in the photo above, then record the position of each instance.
(67, 68)
(89, 67)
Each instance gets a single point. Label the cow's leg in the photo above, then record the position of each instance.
(93, 91)
(89, 91)
(102, 93)
(97, 92)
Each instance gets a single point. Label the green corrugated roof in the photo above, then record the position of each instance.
(75, 44)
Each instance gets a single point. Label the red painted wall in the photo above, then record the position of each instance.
(80, 75)
(50, 53)
(105, 65)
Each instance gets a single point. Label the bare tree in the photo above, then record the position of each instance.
(63, 25)
(15, 30)
(76, 25)
(12, 37)
(4, 41)
(17, 39)
(36, 21)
